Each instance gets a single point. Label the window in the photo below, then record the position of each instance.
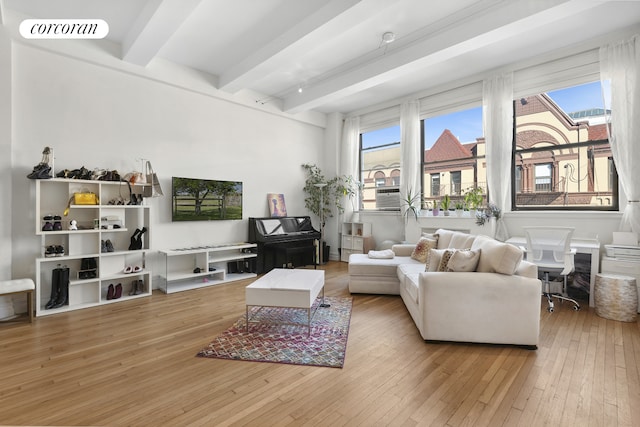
(435, 184)
(395, 178)
(543, 177)
(518, 179)
(380, 168)
(561, 152)
(456, 180)
(453, 158)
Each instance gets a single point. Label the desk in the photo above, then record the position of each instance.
(582, 246)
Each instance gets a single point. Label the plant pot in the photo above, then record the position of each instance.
(325, 252)
(446, 212)
(436, 212)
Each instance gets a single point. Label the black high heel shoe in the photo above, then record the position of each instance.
(139, 238)
(42, 170)
(134, 240)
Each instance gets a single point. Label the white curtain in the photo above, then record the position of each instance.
(410, 148)
(349, 155)
(620, 64)
(497, 116)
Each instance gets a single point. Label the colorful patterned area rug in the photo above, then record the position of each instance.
(281, 335)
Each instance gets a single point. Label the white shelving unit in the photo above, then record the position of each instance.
(181, 274)
(52, 197)
(356, 239)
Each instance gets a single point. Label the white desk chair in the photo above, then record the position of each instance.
(549, 248)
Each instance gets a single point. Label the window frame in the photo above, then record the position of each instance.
(615, 205)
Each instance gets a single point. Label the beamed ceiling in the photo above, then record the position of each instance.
(333, 49)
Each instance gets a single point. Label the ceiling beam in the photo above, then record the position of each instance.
(254, 66)
(501, 21)
(155, 25)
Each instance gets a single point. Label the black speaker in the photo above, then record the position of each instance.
(232, 267)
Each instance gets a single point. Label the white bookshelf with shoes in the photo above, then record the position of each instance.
(96, 253)
(209, 265)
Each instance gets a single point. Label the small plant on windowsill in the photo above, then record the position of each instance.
(411, 204)
(353, 191)
(473, 198)
(436, 208)
(459, 208)
(484, 215)
(445, 203)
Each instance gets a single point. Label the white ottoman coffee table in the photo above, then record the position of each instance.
(293, 288)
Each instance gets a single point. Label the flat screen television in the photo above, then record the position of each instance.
(205, 199)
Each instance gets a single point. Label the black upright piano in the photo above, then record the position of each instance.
(283, 242)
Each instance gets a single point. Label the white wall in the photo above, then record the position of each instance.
(6, 306)
(100, 116)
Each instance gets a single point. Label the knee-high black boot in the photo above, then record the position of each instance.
(55, 288)
(63, 296)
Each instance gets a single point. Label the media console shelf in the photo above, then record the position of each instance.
(193, 268)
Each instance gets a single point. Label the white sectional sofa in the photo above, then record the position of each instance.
(497, 303)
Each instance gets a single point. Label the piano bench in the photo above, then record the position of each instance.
(290, 253)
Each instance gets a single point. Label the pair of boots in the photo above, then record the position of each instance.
(114, 292)
(59, 288)
(88, 269)
(137, 287)
(43, 169)
(136, 239)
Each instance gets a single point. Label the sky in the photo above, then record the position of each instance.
(466, 125)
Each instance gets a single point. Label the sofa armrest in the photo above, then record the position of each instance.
(527, 269)
(403, 249)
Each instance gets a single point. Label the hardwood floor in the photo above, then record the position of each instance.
(133, 363)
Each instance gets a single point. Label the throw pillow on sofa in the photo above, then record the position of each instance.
(497, 257)
(422, 248)
(463, 260)
(433, 259)
(452, 260)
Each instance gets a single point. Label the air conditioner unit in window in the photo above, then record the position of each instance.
(388, 198)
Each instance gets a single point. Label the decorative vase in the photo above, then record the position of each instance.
(436, 211)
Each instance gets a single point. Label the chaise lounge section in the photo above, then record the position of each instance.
(497, 302)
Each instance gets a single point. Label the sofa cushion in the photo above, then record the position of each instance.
(422, 248)
(454, 239)
(462, 260)
(497, 257)
(433, 259)
(362, 265)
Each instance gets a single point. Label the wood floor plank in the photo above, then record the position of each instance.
(134, 364)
